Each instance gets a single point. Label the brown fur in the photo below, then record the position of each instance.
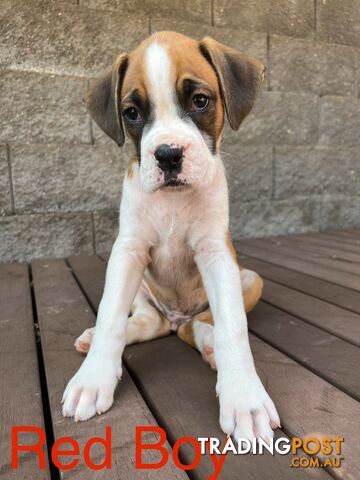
(188, 63)
(185, 332)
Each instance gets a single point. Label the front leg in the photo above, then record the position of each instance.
(91, 390)
(246, 410)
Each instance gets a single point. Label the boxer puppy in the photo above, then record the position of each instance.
(173, 265)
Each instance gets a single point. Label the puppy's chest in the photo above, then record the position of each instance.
(171, 257)
(171, 248)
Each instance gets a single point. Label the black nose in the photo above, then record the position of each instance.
(169, 158)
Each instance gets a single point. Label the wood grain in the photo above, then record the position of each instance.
(333, 319)
(330, 357)
(335, 253)
(315, 258)
(317, 288)
(274, 255)
(321, 241)
(20, 392)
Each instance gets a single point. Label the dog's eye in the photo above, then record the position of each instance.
(200, 101)
(132, 114)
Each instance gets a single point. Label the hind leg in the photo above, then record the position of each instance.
(145, 323)
(198, 332)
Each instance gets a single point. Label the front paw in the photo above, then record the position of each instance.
(91, 390)
(246, 410)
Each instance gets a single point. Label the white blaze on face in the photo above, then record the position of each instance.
(160, 84)
(167, 127)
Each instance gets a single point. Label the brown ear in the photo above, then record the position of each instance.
(239, 76)
(103, 100)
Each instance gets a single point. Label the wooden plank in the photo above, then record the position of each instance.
(342, 323)
(310, 346)
(181, 390)
(355, 233)
(320, 241)
(307, 404)
(336, 237)
(87, 268)
(321, 250)
(20, 392)
(329, 292)
(348, 239)
(352, 236)
(63, 314)
(293, 251)
(323, 272)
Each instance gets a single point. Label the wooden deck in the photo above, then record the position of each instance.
(305, 335)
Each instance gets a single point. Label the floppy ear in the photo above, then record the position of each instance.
(103, 100)
(239, 76)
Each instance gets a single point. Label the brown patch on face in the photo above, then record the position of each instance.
(209, 120)
(192, 74)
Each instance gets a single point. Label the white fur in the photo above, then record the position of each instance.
(199, 164)
(175, 225)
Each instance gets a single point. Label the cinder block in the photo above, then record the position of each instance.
(264, 218)
(5, 190)
(339, 21)
(198, 10)
(106, 225)
(312, 67)
(249, 171)
(286, 17)
(65, 39)
(340, 211)
(281, 118)
(42, 108)
(25, 237)
(319, 170)
(339, 121)
(50, 178)
(251, 43)
(66, 2)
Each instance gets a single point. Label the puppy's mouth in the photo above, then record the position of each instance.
(173, 181)
(175, 184)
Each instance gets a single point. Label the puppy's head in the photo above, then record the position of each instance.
(170, 95)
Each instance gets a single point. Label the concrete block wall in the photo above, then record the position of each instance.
(294, 166)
